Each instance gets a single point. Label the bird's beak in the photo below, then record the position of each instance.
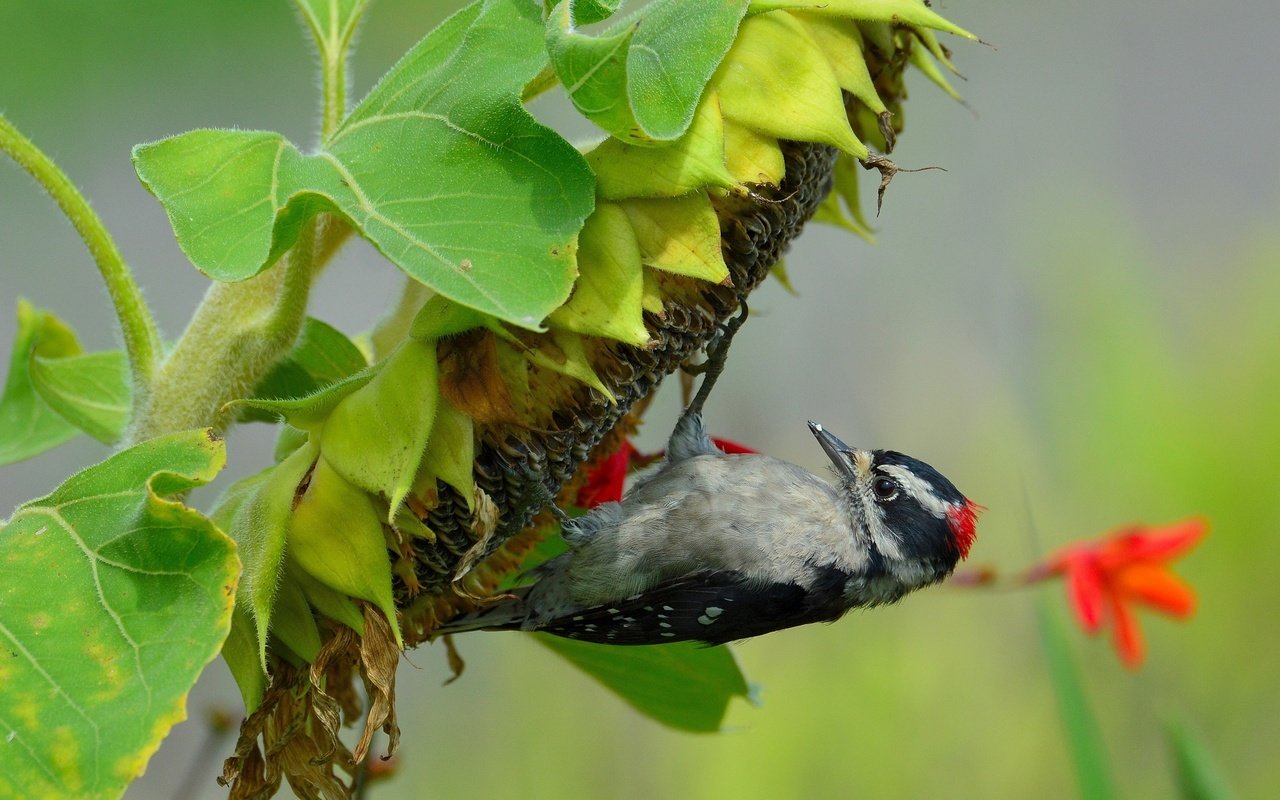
(841, 454)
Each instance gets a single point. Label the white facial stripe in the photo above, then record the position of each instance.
(885, 540)
(917, 488)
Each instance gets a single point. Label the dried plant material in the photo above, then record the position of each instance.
(379, 656)
(453, 658)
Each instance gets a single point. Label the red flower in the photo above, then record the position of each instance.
(732, 448)
(1107, 577)
(605, 481)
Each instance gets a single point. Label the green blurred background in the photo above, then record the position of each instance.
(1079, 323)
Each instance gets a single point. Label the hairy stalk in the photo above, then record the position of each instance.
(234, 338)
(333, 36)
(334, 78)
(138, 326)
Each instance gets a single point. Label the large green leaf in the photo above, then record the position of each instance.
(440, 167)
(90, 391)
(642, 80)
(28, 426)
(686, 685)
(115, 597)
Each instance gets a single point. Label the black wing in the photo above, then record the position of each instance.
(706, 607)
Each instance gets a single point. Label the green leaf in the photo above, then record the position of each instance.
(90, 391)
(114, 599)
(642, 81)
(586, 12)
(28, 426)
(686, 685)
(1084, 736)
(1199, 776)
(440, 167)
(323, 355)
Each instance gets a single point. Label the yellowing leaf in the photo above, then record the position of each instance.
(606, 299)
(840, 40)
(680, 235)
(694, 161)
(910, 12)
(777, 81)
(114, 598)
(752, 157)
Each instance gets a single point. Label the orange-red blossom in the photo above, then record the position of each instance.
(1106, 578)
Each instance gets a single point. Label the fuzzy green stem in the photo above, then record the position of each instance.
(334, 77)
(141, 336)
(239, 332)
(332, 34)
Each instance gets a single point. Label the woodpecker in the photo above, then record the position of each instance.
(714, 548)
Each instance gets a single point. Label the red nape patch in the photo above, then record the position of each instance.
(963, 521)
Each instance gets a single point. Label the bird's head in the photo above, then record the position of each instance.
(917, 524)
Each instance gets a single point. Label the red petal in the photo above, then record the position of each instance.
(1127, 635)
(1141, 543)
(1158, 588)
(1087, 593)
(732, 448)
(604, 483)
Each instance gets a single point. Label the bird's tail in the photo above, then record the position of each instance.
(506, 615)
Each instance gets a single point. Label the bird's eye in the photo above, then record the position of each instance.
(884, 488)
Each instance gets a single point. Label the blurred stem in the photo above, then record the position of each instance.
(1084, 736)
(239, 332)
(393, 329)
(141, 336)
